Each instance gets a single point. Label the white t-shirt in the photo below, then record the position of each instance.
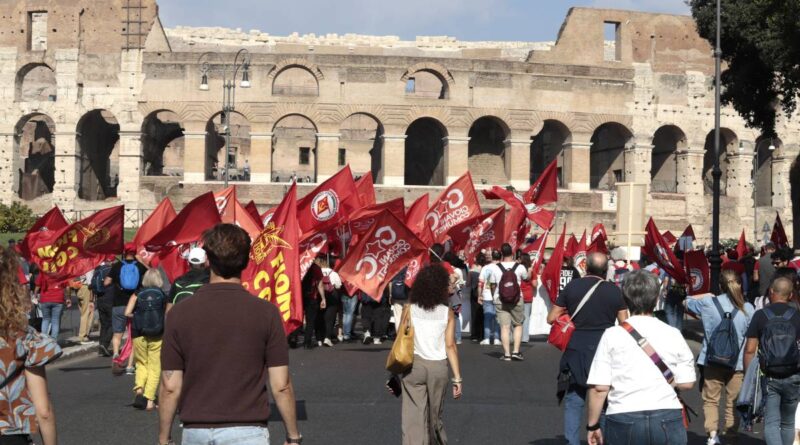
(484, 278)
(429, 331)
(521, 272)
(636, 382)
(336, 280)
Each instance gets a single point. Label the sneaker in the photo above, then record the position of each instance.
(517, 356)
(130, 371)
(327, 342)
(505, 358)
(341, 338)
(319, 343)
(103, 351)
(376, 341)
(458, 342)
(485, 343)
(497, 342)
(367, 338)
(713, 440)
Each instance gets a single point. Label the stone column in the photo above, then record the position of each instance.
(130, 166)
(260, 155)
(690, 173)
(781, 183)
(518, 163)
(638, 160)
(327, 156)
(394, 159)
(9, 179)
(740, 186)
(576, 168)
(8, 74)
(67, 177)
(194, 153)
(456, 158)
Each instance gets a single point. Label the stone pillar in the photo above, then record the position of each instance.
(260, 155)
(740, 188)
(518, 163)
(394, 159)
(8, 75)
(638, 160)
(194, 153)
(690, 173)
(67, 177)
(781, 183)
(8, 169)
(456, 158)
(327, 156)
(130, 166)
(576, 168)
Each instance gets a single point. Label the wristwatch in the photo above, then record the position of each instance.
(594, 427)
(297, 440)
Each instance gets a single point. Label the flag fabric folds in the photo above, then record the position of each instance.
(329, 204)
(42, 232)
(480, 232)
(163, 214)
(779, 237)
(741, 246)
(456, 204)
(196, 217)
(657, 249)
(551, 276)
(697, 272)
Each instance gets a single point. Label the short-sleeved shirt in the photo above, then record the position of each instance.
(484, 278)
(121, 296)
(600, 311)
(224, 340)
(709, 314)
(636, 382)
(759, 320)
(765, 273)
(567, 275)
(50, 292)
(497, 274)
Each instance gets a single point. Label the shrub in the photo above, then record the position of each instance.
(16, 218)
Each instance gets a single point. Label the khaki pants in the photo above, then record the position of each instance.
(84, 300)
(147, 351)
(715, 380)
(424, 389)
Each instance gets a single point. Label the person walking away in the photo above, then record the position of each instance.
(505, 284)
(725, 319)
(475, 299)
(603, 307)
(456, 268)
(398, 291)
(774, 333)
(764, 270)
(375, 317)
(147, 308)
(491, 329)
(425, 384)
(126, 278)
(52, 300)
(313, 302)
(349, 305)
(104, 297)
(222, 392)
(527, 289)
(568, 273)
(187, 284)
(626, 373)
(331, 285)
(86, 306)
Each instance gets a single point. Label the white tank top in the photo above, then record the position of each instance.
(429, 332)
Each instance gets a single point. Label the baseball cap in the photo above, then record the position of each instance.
(129, 248)
(197, 256)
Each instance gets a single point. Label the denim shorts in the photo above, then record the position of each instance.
(240, 435)
(118, 319)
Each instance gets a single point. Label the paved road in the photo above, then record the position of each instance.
(342, 400)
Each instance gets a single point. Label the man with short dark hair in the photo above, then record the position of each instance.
(221, 349)
(508, 314)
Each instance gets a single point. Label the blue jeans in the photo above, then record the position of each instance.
(657, 427)
(348, 311)
(51, 318)
(458, 322)
(780, 408)
(490, 324)
(526, 325)
(673, 309)
(240, 435)
(574, 404)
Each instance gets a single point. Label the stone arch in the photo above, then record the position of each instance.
(294, 149)
(433, 67)
(606, 156)
(98, 144)
(487, 161)
(361, 145)
(426, 84)
(667, 141)
(36, 82)
(34, 156)
(762, 175)
(162, 144)
(729, 142)
(296, 62)
(216, 133)
(295, 80)
(547, 146)
(424, 152)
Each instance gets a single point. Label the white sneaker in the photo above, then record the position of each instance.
(485, 342)
(713, 440)
(497, 342)
(376, 341)
(340, 338)
(327, 342)
(319, 343)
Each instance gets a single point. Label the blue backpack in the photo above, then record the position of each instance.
(129, 276)
(722, 349)
(777, 346)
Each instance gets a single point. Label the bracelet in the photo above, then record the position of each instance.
(297, 440)
(594, 427)
(456, 381)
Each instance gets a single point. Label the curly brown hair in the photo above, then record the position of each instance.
(14, 301)
(431, 288)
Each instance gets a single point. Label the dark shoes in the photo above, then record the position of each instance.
(517, 356)
(139, 402)
(103, 351)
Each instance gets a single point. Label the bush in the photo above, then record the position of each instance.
(16, 218)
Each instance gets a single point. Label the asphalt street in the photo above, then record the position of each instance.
(342, 400)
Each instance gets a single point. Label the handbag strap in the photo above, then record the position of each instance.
(648, 349)
(585, 299)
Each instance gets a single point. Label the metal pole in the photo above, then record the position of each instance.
(227, 107)
(755, 200)
(714, 259)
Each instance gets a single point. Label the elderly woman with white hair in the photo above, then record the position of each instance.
(639, 366)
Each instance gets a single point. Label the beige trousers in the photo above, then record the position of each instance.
(84, 299)
(424, 389)
(715, 380)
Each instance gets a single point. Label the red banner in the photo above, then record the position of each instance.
(598, 245)
(481, 232)
(741, 246)
(580, 254)
(515, 227)
(698, 272)
(551, 276)
(366, 190)
(599, 230)
(196, 217)
(456, 204)
(160, 218)
(542, 217)
(658, 251)
(329, 204)
(42, 232)
(779, 237)
(545, 189)
(571, 248)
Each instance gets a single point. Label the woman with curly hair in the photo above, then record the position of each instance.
(23, 354)
(425, 384)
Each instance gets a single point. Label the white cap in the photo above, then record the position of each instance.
(197, 256)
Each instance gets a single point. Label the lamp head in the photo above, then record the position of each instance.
(204, 82)
(245, 77)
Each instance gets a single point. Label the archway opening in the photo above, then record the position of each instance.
(426, 84)
(36, 83)
(162, 144)
(606, 157)
(217, 130)
(667, 140)
(728, 142)
(424, 154)
(547, 146)
(294, 149)
(361, 146)
(487, 151)
(295, 81)
(762, 176)
(98, 142)
(34, 156)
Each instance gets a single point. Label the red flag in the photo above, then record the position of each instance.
(415, 216)
(198, 216)
(267, 216)
(172, 259)
(380, 255)
(456, 204)
(686, 240)
(363, 220)
(657, 250)
(366, 190)
(545, 189)
(536, 251)
(242, 218)
(580, 254)
(551, 275)
(163, 214)
(598, 245)
(481, 232)
(41, 232)
(571, 247)
(414, 266)
(253, 211)
(225, 199)
(669, 237)
(698, 272)
(741, 246)
(497, 192)
(542, 217)
(82, 246)
(779, 237)
(329, 204)
(273, 273)
(311, 245)
(599, 230)
(515, 227)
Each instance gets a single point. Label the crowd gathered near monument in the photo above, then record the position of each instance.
(337, 267)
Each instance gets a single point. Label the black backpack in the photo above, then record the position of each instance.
(778, 353)
(398, 286)
(508, 288)
(99, 277)
(148, 315)
(722, 347)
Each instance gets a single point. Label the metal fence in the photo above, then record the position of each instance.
(133, 217)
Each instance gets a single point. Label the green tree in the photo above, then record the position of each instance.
(760, 42)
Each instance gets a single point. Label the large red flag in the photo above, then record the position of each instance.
(380, 255)
(698, 272)
(415, 216)
(580, 254)
(311, 245)
(542, 217)
(366, 190)
(329, 204)
(571, 248)
(599, 230)
(225, 199)
(253, 211)
(551, 275)
(456, 204)
(741, 246)
(163, 214)
(198, 216)
(598, 245)
(657, 250)
(481, 232)
(273, 273)
(545, 189)
(42, 231)
(363, 220)
(515, 227)
(536, 251)
(779, 237)
(82, 246)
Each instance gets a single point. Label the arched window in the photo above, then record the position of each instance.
(728, 142)
(487, 151)
(664, 163)
(607, 163)
(34, 156)
(162, 144)
(295, 81)
(239, 152)
(361, 146)
(426, 84)
(294, 149)
(36, 83)
(547, 146)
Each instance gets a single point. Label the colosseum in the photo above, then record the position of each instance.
(102, 105)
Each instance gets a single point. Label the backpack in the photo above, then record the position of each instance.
(722, 347)
(148, 315)
(327, 285)
(508, 287)
(398, 286)
(185, 290)
(129, 276)
(777, 346)
(98, 279)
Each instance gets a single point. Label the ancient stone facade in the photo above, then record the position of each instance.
(103, 105)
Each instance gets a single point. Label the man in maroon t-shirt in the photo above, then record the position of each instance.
(221, 349)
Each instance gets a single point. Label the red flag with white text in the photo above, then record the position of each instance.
(481, 232)
(533, 210)
(658, 251)
(599, 230)
(697, 272)
(456, 204)
(536, 252)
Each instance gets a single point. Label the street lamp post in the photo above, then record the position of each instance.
(714, 258)
(240, 62)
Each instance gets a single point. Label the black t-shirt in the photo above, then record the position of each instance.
(310, 283)
(600, 311)
(567, 275)
(759, 320)
(121, 296)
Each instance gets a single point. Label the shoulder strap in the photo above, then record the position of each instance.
(514, 269)
(768, 312)
(788, 314)
(645, 345)
(719, 307)
(502, 269)
(585, 299)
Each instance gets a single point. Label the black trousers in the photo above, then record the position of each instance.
(312, 310)
(15, 439)
(104, 306)
(375, 317)
(476, 325)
